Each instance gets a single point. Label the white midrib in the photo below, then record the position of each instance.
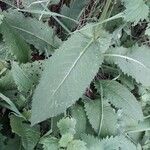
(72, 67)
(128, 58)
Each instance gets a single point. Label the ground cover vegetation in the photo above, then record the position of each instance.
(75, 75)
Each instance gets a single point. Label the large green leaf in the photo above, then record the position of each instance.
(30, 136)
(121, 98)
(33, 31)
(15, 42)
(74, 65)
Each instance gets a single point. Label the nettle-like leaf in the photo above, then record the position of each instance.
(26, 76)
(121, 98)
(67, 125)
(78, 113)
(77, 62)
(136, 10)
(15, 42)
(104, 118)
(76, 145)
(133, 62)
(49, 143)
(30, 136)
(92, 143)
(118, 142)
(65, 139)
(33, 31)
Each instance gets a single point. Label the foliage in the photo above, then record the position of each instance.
(75, 75)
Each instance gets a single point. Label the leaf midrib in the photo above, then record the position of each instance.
(123, 99)
(72, 67)
(21, 29)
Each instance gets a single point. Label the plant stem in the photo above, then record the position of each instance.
(103, 17)
(101, 113)
(106, 8)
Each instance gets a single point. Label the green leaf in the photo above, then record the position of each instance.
(92, 143)
(112, 143)
(146, 141)
(121, 98)
(77, 62)
(23, 82)
(65, 139)
(67, 125)
(6, 102)
(7, 82)
(30, 136)
(49, 143)
(133, 62)
(26, 76)
(13, 144)
(15, 42)
(118, 142)
(136, 10)
(78, 113)
(33, 31)
(94, 113)
(5, 54)
(76, 145)
(142, 126)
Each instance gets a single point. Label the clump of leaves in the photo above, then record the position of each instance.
(89, 90)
